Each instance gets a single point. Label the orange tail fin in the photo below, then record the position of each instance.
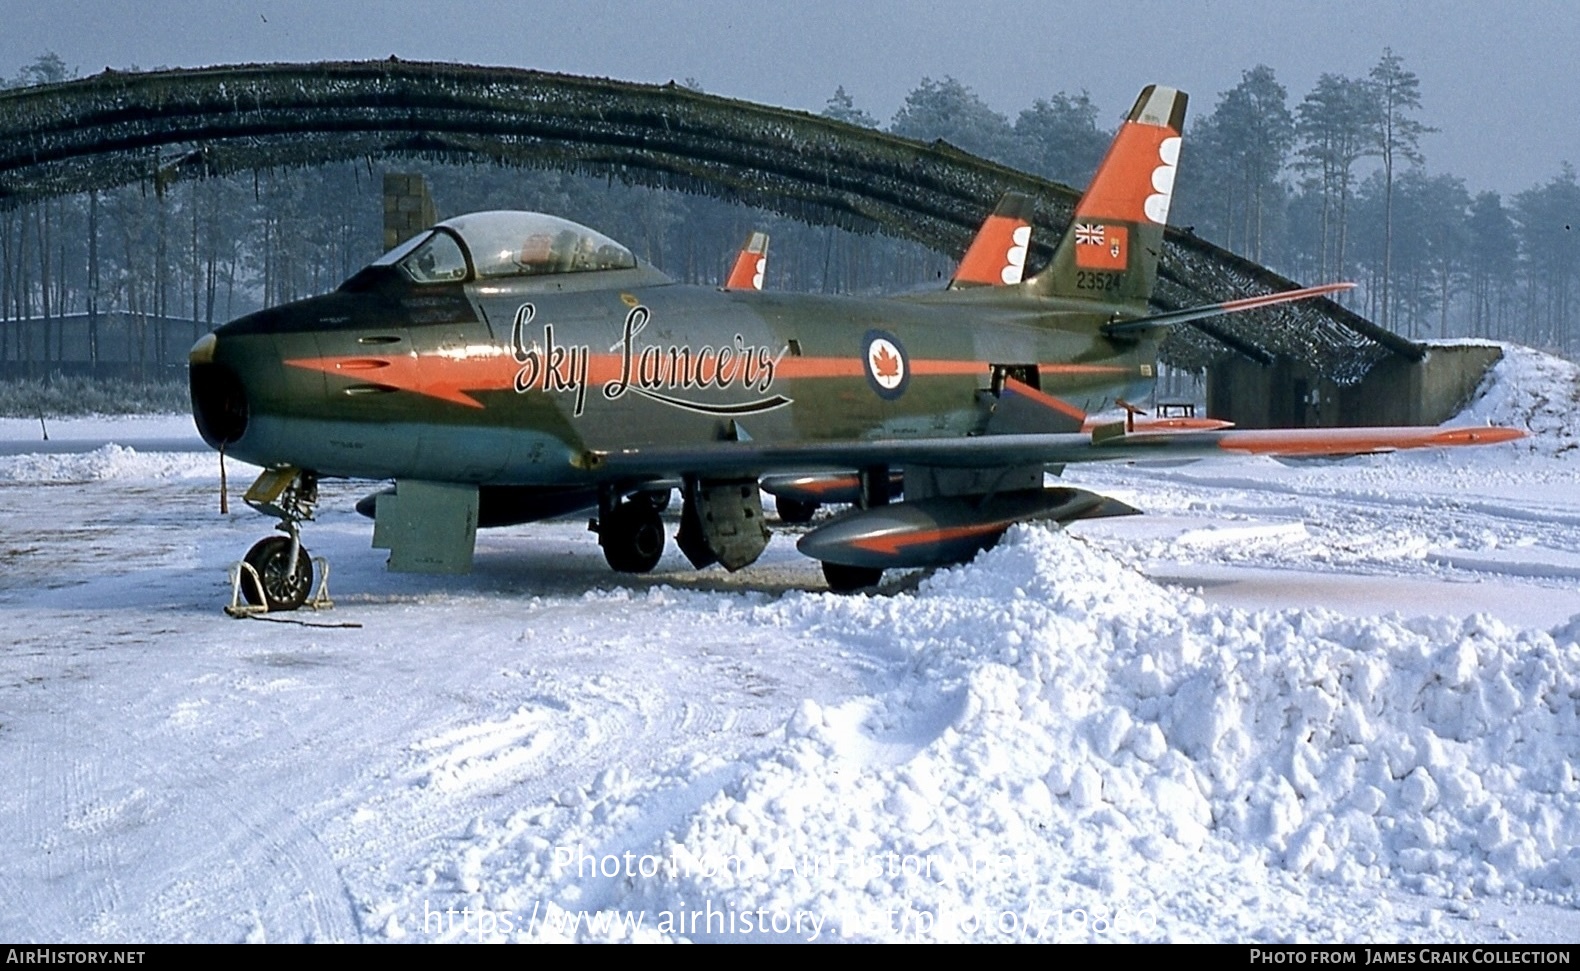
(997, 256)
(750, 265)
(1110, 253)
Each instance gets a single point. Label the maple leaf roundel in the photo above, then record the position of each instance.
(887, 366)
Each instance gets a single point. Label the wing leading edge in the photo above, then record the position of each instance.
(1105, 444)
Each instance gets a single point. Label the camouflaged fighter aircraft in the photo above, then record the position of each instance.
(507, 367)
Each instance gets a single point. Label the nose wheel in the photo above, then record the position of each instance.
(281, 584)
(277, 573)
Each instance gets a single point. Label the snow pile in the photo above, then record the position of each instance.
(1534, 391)
(1076, 753)
(109, 462)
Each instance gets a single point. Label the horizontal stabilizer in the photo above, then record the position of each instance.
(1134, 328)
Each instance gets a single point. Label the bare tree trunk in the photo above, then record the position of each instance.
(196, 264)
(93, 281)
(44, 282)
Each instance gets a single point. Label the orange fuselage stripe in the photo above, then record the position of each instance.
(454, 378)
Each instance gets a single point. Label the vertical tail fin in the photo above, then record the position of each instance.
(1110, 252)
(997, 256)
(750, 264)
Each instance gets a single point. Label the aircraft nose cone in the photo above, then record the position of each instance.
(203, 351)
(219, 400)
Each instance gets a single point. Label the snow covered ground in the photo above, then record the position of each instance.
(1324, 701)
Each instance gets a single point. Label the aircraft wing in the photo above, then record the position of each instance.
(749, 458)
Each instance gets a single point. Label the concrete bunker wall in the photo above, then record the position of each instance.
(1292, 394)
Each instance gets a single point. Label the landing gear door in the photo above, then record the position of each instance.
(428, 527)
(1019, 407)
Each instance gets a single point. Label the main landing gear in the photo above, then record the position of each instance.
(795, 511)
(277, 573)
(631, 531)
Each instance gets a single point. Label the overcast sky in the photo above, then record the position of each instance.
(1493, 75)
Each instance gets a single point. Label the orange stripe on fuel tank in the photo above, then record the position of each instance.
(892, 543)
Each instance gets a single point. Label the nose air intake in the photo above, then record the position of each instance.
(219, 402)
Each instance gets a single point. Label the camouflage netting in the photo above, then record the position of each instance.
(117, 128)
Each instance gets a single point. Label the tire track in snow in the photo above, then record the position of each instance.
(1362, 525)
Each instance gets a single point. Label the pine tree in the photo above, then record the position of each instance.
(1398, 139)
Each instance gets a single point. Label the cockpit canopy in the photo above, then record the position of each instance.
(492, 245)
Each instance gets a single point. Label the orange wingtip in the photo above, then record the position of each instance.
(1481, 435)
(1355, 441)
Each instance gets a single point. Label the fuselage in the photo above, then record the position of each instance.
(516, 380)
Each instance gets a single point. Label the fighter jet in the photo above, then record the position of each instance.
(507, 367)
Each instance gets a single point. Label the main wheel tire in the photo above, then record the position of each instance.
(284, 587)
(632, 537)
(795, 511)
(849, 579)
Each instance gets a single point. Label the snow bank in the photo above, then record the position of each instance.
(1076, 753)
(109, 462)
(1534, 391)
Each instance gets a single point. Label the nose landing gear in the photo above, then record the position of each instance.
(277, 573)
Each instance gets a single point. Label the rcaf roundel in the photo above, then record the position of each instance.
(887, 366)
